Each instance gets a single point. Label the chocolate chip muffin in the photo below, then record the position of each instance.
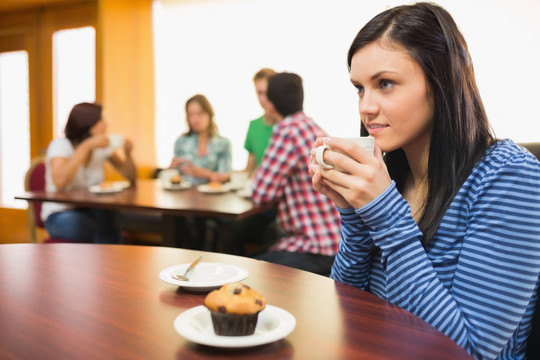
(234, 309)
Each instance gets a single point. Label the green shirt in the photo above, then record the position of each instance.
(257, 138)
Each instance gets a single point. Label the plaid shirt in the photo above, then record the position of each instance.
(309, 220)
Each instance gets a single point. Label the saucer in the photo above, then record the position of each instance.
(109, 188)
(206, 276)
(273, 324)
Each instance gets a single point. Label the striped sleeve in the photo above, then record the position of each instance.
(352, 261)
(483, 300)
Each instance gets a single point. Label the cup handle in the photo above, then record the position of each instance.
(319, 153)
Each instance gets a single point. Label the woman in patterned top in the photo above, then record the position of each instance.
(445, 224)
(201, 154)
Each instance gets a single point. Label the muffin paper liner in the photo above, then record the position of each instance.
(234, 325)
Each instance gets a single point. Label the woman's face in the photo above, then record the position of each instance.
(394, 101)
(198, 119)
(98, 128)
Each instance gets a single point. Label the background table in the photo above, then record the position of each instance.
(88, 301)
(148, 195)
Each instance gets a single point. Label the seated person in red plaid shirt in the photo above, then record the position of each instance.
(308, 221)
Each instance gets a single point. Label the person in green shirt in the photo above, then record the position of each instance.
(257, 230)
(260, 129)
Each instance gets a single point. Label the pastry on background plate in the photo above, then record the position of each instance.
(234, 309)
(106, 185)
(215, 185)
(175, 179)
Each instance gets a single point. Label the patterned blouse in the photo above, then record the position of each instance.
(217, 159)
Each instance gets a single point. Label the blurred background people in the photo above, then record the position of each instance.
(309, 227)
(78, 161)
(258, 229)
(260, 129)
(201, 154)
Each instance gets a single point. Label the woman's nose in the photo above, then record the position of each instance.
(367, 104)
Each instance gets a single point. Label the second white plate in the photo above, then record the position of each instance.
(109, 187)
(206, 276)
(273, 324)
(205, 188)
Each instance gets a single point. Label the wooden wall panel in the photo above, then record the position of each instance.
(125, 57)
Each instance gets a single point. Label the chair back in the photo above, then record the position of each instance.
(533, 342)
(35, 180)
(533, 147)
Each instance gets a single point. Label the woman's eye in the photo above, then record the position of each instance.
(359, 89)
(385, 84)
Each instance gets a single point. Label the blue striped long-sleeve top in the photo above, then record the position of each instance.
(477, 279)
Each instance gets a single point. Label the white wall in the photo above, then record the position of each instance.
(214, 47)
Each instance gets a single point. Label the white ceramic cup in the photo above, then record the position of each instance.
(116, 141)
(366, 142)
(238, 179)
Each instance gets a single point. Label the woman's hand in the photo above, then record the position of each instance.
(364, 176)
(125, 164)
(94, 142)
(318, 182)
(221, 177)
(177, 162)
(128, 146)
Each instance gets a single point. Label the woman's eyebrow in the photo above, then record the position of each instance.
(382, 72)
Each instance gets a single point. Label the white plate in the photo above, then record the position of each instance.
(245, 192)
(183, 185)
(204, 188)
(206, 276)
(112, 187)
(233, 186)
(195, 324)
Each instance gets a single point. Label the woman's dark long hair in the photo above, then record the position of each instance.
(460, 131)
(81, 118)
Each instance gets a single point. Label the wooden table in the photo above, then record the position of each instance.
(89, 301)
(148, 195)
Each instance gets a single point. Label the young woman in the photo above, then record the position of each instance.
(445, 224)
(78, 161)
(201, 154)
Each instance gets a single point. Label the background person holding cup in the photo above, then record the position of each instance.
(78, 161)
(446, 224)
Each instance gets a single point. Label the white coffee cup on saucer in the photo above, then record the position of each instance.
(366, 142)
(238, 179)
(115, 141)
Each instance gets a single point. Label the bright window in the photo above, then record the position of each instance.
(14, 127)
(74, 72)
(214, 47)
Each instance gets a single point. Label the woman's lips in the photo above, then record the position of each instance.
(375, 128)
